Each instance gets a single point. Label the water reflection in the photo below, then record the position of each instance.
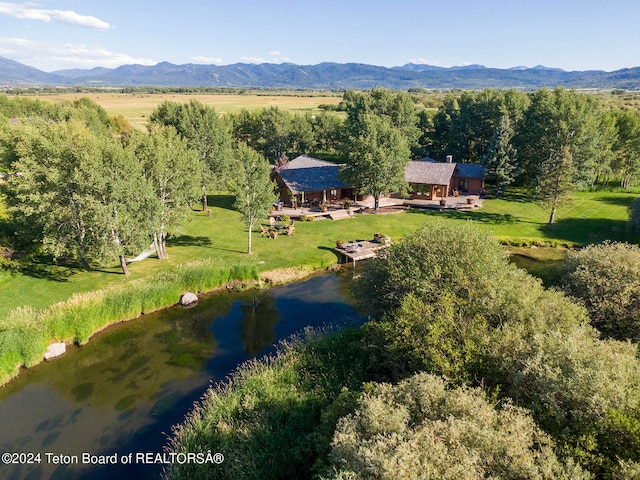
(259, 318)
(122, 391)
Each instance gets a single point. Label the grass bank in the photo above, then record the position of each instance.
(26, 332)
(278, 411)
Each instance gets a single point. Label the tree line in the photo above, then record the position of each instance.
(553, 141)
(82, 186)
(86, 178)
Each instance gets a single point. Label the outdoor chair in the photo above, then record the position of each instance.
(264, 229)
(290, 229)
(273, 234)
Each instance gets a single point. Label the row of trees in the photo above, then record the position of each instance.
(86, 187)
(84, 196)
(555, 141)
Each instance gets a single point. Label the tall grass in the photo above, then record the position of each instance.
(274, 417)
(26, 332)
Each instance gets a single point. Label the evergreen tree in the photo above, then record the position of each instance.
(501, 158)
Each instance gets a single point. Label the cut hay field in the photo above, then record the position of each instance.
(136, 107)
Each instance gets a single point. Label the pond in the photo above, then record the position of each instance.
(544, 264)
(122, 392)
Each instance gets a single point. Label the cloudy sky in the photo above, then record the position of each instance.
(568, 34)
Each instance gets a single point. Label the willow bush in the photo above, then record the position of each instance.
(420, 429)
(606, 279)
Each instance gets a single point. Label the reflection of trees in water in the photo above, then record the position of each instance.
(259, 318)
(190, 340)
(346, 277)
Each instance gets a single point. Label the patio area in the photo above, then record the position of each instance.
(336, 211)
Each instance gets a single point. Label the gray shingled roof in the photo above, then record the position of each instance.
(313, 179)
(429, 172)
(469, 170)
(306, 162)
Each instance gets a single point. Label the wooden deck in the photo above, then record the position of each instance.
(359, 250)
(333, 212)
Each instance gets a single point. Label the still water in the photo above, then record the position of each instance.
(122, 392)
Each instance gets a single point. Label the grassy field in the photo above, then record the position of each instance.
(591, 217)
(136, 107)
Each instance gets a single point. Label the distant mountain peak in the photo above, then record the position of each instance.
(326, 75)
(542, 67)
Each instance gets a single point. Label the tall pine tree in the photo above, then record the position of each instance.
(501, 159)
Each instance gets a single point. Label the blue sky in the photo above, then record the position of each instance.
(568, 34)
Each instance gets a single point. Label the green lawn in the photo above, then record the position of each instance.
(591, 217)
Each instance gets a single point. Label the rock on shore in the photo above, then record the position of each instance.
(188, 299)
(55, 350)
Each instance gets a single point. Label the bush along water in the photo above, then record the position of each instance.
(26, 332)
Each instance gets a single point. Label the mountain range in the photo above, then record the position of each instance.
(330, 76)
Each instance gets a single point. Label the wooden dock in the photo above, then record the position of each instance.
(359, 250)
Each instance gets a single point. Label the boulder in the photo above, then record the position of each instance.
(55, 350)
(188, 299)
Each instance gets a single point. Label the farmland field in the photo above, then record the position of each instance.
(136, 107)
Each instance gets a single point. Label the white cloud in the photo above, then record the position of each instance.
(275, 58)
(51, 57)
(207, 60)
(253, 60)
(424, 61)
(27, 11)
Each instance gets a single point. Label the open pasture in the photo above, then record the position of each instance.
(136, 107)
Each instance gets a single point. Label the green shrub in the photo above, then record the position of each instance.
(606, 278)
(438, 337)
(634, 218)
(504, 329)
(441, 256)
(420, 430)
